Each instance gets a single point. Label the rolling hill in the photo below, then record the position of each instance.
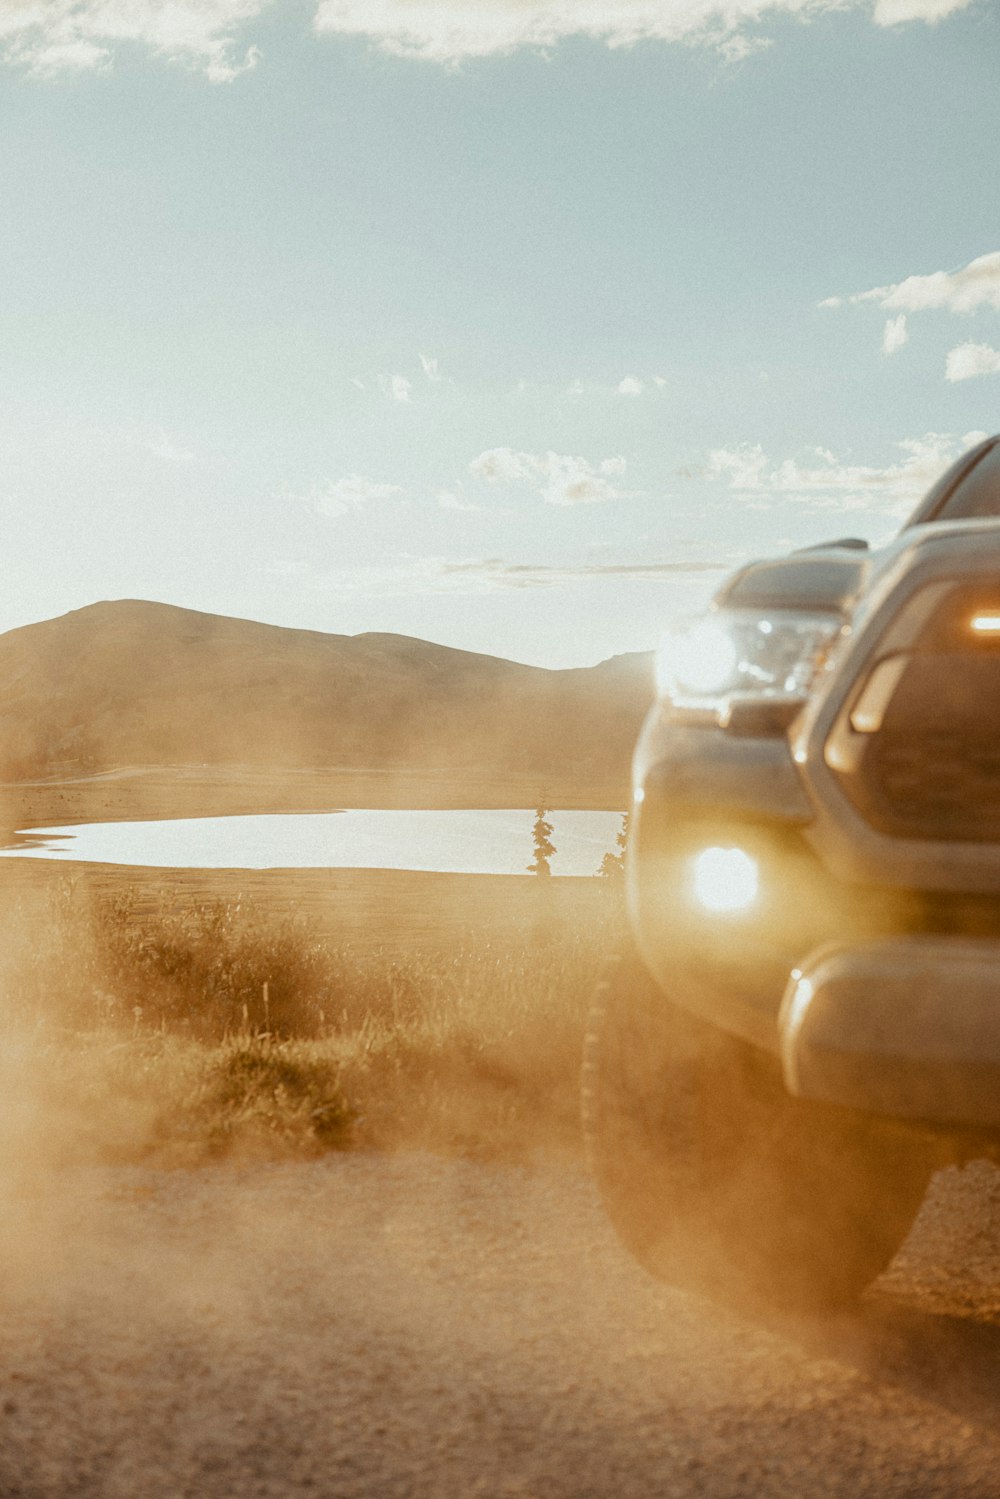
(133, 683)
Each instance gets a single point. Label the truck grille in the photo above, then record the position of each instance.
(931, 770)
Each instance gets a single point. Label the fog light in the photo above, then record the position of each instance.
(725, 879)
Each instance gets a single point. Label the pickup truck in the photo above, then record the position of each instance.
(807, 1023)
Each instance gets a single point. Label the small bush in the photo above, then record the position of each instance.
(274, 1093)
(217, 969)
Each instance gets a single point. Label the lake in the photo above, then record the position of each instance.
(457, 842)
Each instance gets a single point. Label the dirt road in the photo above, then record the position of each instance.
(380, 1327)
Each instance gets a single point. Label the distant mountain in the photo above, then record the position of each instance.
(136, 683)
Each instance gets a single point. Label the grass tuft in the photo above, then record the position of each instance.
(181, 1037)
(276, 1093)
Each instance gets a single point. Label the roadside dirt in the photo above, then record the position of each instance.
(408, 1326)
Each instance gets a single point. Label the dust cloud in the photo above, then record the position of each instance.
(369, 1324)
(447, 1321)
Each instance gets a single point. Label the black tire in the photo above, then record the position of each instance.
(714, 1177)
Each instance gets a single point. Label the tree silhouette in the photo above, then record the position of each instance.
(613, 864)
(541, 835)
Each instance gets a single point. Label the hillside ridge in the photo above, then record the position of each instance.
(136, 682)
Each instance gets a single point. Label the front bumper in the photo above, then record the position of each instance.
(900, 1012)
(696, 787)
(907, 1027)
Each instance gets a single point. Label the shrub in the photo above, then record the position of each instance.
(274, 1093)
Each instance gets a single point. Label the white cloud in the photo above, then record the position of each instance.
(893, 12)
(449, 31)
(630, 385)
(501, 574)
(504, 465)
(826, 483)
(414, 577)
(969, 360)
(430, 369)
(895, 334)
(350, 493)
(54, 36)
(450, 499)
(559, 478)
(744, 466)
(396, 386)
(975, 285)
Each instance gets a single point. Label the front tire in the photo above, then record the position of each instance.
(714, 1177)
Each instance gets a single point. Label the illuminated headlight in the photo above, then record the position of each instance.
(724, 879)
(733, 653)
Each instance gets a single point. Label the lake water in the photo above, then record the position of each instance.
(463, 842)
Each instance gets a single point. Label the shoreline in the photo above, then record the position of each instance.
(390, 908)
(156, 792)
(395, 909)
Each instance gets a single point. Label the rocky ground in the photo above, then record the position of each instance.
(409, 1326)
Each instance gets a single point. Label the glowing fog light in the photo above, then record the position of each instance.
(986, 624)
(725, 879)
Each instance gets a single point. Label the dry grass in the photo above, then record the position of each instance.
(185, 1037)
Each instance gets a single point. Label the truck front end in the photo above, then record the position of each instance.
(815, 858)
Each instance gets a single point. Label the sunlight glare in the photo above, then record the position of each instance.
(725, 879)
(701, 660)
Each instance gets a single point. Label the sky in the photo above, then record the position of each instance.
(512, 326)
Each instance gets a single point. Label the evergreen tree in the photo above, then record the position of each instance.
(541, 835)
(613, 864)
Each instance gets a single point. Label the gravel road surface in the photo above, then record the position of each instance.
(407, 1326)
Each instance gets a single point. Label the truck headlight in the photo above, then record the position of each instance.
(741, 654)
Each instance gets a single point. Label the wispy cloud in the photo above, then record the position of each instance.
(894, 335)
(48, 37)
(353, 492)
(969, 360)
(744, 466)
(55, 36)
(631, 386)
(538, 575)
(450, 31)
(894, 12)
(410, 577)
(825, 482)
(430, 369)
(156, 441)
(396, 386)
(454, 499)
(559, 478)
(973, 286)
(163, 447)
